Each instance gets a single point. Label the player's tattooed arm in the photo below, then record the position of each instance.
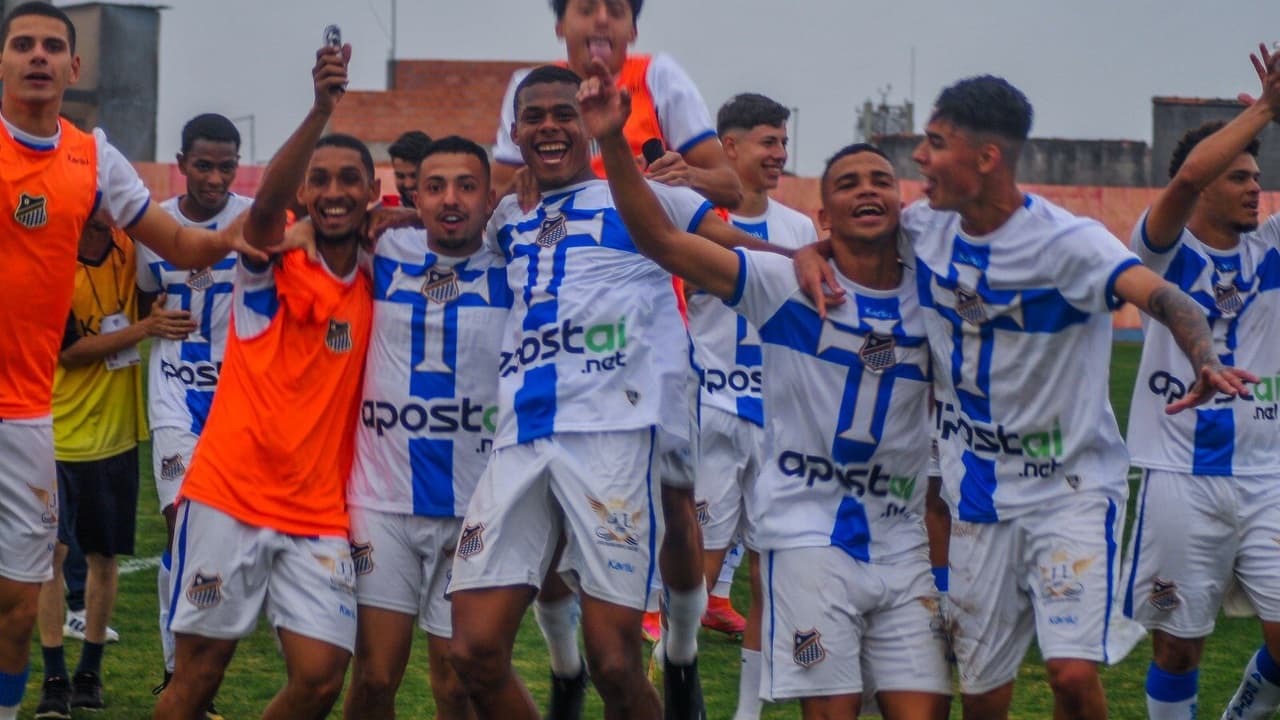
(1186, 321)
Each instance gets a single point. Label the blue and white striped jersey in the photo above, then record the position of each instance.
(846, 405)
(594, 341)
(184, 373)
(429, 408)
(1239, 291)
(726, 348)
(1020, 329)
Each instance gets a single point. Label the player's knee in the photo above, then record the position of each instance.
(1176, 655)
(368, 680)
(479, 662)
(18, 620)
(615, 673)
(321, 685)
(1072, 678)
(447, 688)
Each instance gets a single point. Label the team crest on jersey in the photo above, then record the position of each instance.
(32, 211)
(471, 541)
(1164, 595)
(49, 517)
(1228, 299)
(969, 306)
(205, 591)
(618, 525)
(808, 648)
(338, 339)
(554, 229)
(441, 287)
(362, 557)
(877, 353)
(200, 280)
(172, 468)
(703, 509)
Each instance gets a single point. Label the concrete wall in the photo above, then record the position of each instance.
(1172, 117)
(1052, 161)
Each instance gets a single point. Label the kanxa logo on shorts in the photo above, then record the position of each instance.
(362, 556)
(1164, 595)
(172, 468)
(342, 575)
(877, 352)
(441, 286)
(1060, 580)
(32, 211)
(200, 280)
(618, 526)
(471, 541)
(338, 338)
(205, 590)
(49, 517)
(808, 648)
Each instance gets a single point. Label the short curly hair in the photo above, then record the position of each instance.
(986, 104)
(1192, 137)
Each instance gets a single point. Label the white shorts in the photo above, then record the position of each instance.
(835, 625)
(599, 487)
(1195, 536)
(1052, 574)
(403, 563)
(29, 511)
(677, 460)
(225, 572)
(729, 461)
(171, 450)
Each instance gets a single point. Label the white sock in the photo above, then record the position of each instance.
(164, 594)
(684, 617)
(749, 703)
(1259, 693)
(1171, 696)
(559, 623)
(732, 560)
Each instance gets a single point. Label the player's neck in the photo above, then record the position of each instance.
(1215, 235)
(872, 263)
(754, 203)
(39, 119)
(583, 176)
(991, 209)
(198, 213)
(468, 248)
(340, 255)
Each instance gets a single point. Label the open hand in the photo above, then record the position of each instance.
(1212, 379)
(604, 106)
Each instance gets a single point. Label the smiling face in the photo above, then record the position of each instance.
(597, 28)
(758, 155)
(860, 199)
(454, 200)
(210, 168)
(337, 191)
(406, 175)
(549, 131)
(36, 65)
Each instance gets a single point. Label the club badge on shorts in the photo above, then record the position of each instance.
(205, 590)
(32, 211)
(362, 557)
(471, 541)
(877, 352)
(441, 286)
(338, 338)
(1164, 595)
(808, 648)
(172, 468)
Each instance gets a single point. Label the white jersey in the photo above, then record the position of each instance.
(1239, 291)
(726, 348)
(847, 414)
(682, 114)
(183, 373)
(429, 408)
(594, 341)
(1020, 329)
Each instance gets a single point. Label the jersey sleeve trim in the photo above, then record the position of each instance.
(695, 141)
(1114, 302)
(138, 216)
(740, 285)
(700, 213)
(1146, 241)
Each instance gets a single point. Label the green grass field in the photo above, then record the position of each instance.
(133, 666)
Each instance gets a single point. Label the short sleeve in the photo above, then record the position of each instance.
(685, 207)
(765, 281)
(256, 301)
(505, 149)
(148, 269)
(1270, 231)
(121, 192)
(1157, 260)
(1087, 261)
(682, 113)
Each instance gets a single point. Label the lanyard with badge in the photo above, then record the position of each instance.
(117, 320)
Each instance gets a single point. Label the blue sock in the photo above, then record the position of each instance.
(12, 687)
(55, 662)
(1267, 666)
(91, 658)
(1259, 693)
(1171, 696)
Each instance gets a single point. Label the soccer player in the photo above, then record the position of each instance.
(837, 507)
(427, 421)
(184, 370)
(1017, 295)
(406, 154)
(262, 518)
(1209, 507)
(53, 177)
(97, 423)
(753, 129)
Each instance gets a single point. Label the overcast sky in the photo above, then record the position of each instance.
(1090, 67)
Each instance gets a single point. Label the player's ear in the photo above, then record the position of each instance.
(990, 157)
(376, 188)
(824, 221)
(75, 69)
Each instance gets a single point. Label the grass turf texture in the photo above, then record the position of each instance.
(133, 666)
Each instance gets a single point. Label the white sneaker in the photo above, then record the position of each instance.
(74, 627)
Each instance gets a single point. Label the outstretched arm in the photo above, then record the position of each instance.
(705, 168)
(702, 262)
(1186, 322)
(283, 176)
(1212, 156)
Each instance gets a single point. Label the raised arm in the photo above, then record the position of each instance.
(1174, 309)
(280, 181)
(1211, 157)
